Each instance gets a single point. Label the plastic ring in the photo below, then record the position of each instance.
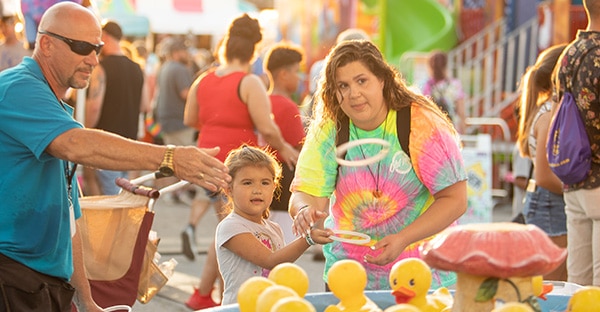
(343, 148)
(118, 308)
(361, 239)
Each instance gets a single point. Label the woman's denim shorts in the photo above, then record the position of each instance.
(546, 210)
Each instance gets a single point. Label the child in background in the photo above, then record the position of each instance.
(446, 91)
(247, 242)
(282, 64)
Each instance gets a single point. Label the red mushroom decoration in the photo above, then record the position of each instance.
(493, 261)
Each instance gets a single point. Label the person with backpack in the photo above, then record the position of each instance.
(544, 205)
(447, 92)
(577, 74)
(400, 192)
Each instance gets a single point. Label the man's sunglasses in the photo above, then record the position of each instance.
(80, 47)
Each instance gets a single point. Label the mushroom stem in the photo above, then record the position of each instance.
(467, 286)
(515, 289)
(518, 293)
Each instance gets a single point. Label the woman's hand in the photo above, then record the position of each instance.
(289, 155)
(306, 219)
(449, 204)
(386, 250)
(320, 236)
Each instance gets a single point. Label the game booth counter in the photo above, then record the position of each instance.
(555, 302)
(491, 274)
(498, 264)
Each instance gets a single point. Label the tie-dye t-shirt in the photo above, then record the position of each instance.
(406, 188)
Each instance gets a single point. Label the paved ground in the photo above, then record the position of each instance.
(170, 220)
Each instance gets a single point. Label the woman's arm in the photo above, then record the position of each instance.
(254, 94)
(306, 210)
(190, 114)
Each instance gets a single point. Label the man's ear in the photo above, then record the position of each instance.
(44, 44)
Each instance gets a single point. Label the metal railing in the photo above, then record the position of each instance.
(489, 65)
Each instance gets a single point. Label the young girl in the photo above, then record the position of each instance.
(544, 203)
(247, 243)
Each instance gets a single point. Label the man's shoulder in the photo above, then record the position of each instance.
(27, 72)
(587, 43)
(120, 60)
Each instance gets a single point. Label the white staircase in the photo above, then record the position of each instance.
(489, 64)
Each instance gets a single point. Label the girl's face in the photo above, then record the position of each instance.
(360, 94)
(252, 192)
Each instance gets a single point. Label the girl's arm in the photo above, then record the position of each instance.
(249, 248)
(544, 176)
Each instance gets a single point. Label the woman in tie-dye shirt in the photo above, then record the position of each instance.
(398, 201)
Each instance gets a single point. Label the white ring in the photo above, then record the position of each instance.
(118, 308)
(343, 148)
(364, 238)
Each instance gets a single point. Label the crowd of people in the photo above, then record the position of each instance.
(270, 170)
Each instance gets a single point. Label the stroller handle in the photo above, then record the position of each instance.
(153, 176)
(137, 189)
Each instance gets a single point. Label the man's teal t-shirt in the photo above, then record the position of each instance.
(35, 223)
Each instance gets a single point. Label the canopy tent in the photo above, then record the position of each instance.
(140, 17)
(189, 16)
(124, 13)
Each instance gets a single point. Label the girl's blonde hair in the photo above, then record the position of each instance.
(250, 156)
(536, 88)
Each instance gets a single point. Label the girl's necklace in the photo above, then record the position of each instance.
(377, 193)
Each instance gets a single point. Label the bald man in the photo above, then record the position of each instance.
(40, 247)
(578, 65)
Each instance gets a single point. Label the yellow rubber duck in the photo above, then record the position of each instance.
(347, 280)
(585, 299)
(410, 280)
(540, 289)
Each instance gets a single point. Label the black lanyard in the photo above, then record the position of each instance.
(69, 173)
